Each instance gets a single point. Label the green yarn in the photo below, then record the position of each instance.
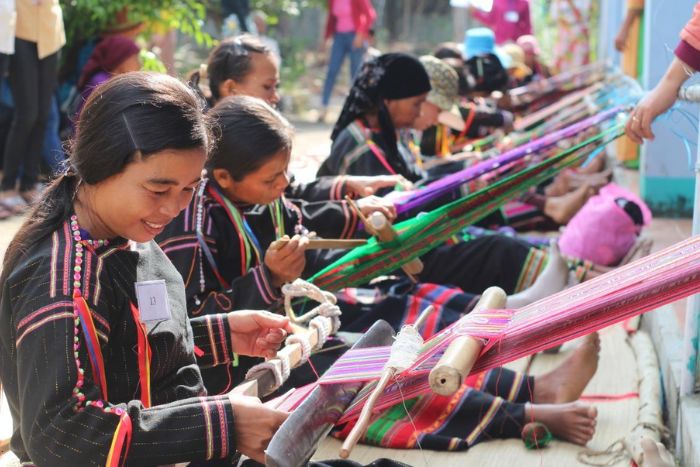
(536, 435)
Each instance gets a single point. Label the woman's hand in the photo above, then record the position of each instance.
(257, 333)
(371, 204)
(358, 42)
(621, 39)
(254, 425)
(655, 103)
(286, 259)
(366, 186)
(658, 101)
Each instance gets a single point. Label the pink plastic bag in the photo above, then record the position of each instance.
(602, 231)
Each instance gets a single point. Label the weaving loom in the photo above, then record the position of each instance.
(449, 183)
(419, 235)
(565, 81)
(506, 335)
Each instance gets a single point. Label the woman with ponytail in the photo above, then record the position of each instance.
(244, 66)
(240, 65)
(98, 358)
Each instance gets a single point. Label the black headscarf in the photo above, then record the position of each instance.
(389, 76)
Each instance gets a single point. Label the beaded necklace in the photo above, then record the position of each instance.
(203, 246)
(83, 320)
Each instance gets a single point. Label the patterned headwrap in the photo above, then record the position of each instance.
(389, 76)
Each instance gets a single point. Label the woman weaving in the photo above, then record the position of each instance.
(97, 353)
(396, 93)
(204, 244)
(244, 66)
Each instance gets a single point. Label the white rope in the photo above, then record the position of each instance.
(279, 366)
(304, 343)
(301, 288)
(324, 318)
(405, 349)
(323, 327)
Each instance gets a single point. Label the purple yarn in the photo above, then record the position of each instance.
(450, 182)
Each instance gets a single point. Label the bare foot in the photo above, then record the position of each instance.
(559, 186)
(562, 208)
(573, 422)
(597, 180)
(553, 279)
(595, 166)
(567, 382)
(656, 454)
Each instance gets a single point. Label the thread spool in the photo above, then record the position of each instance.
(386, 233)
(459, 358)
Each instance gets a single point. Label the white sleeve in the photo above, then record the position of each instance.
(8, 19)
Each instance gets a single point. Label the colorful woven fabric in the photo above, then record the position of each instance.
(419, 235)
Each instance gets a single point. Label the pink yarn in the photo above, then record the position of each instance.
(602, 232)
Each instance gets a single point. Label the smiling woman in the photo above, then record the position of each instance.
(96, 349)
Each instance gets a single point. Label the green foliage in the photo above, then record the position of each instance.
(294, 65)
(150, 62)
(276, 8)
(86, 19)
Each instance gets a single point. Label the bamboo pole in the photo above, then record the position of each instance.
(459, 358)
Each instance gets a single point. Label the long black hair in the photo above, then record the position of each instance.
(249, 134)
(231, 59)
(132, 115)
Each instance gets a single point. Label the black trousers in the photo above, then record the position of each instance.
(477, 264)
(32, 82)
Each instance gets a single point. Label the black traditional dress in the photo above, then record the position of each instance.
(223, 272)
(87, 380)
(219, 249)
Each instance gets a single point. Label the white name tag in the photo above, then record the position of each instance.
(153, 301)
(512, 16)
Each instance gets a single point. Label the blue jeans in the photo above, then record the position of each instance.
(342, 46)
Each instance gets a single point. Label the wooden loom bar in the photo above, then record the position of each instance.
(386, 233)
(379, 225)
(326, 243)
(461, 355)
(264, 383)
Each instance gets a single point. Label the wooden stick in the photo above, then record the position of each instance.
(565, 102)
(253, 387)
(386, 233)
(423, 316)
(326, 243)
(459, 358)
(356, 208)
(366, 414)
